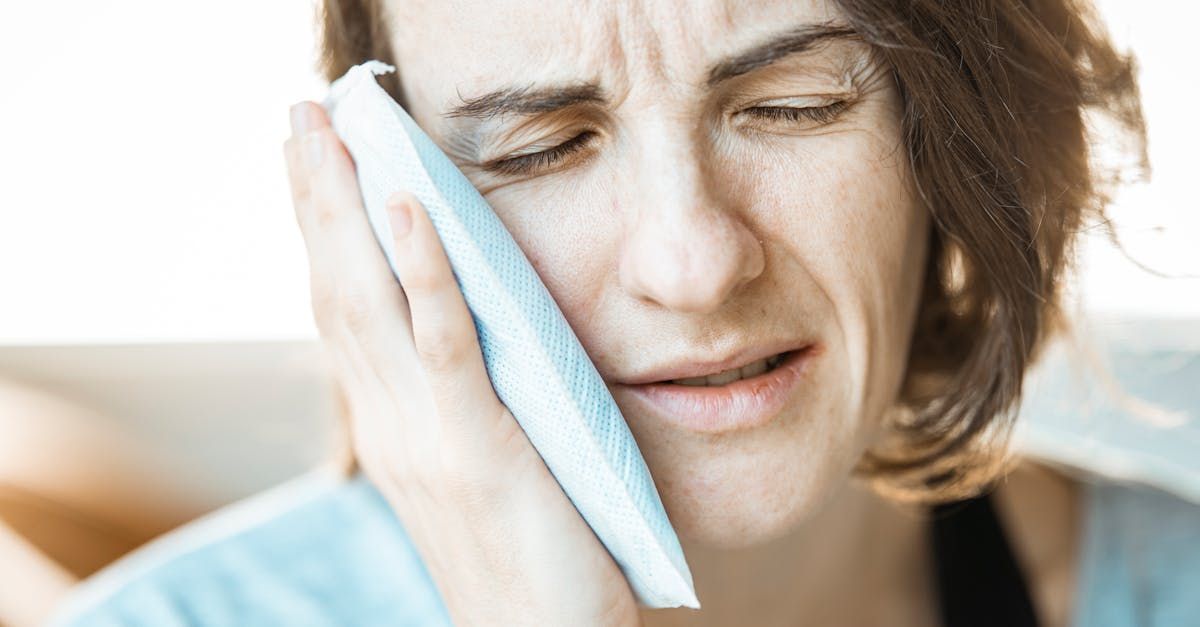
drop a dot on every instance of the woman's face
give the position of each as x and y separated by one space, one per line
696 181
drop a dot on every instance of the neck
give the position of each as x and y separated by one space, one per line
860 560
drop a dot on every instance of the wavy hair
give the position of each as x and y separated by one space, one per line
999 100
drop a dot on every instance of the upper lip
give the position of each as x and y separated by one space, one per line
698 367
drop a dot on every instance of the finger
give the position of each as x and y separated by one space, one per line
297 181
338 216
354 290
444 333
305 116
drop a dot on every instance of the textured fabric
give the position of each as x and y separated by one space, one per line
325 551
320 551
1140 423
536 363
1140 563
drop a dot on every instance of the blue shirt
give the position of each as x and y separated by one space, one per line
323 550
319 550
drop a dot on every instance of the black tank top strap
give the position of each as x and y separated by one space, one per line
979 582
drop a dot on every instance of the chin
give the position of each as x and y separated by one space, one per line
737 495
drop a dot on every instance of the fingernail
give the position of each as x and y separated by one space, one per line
399 216
314 149
299 116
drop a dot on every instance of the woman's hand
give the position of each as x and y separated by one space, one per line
500 538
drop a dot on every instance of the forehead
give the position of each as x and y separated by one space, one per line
449 49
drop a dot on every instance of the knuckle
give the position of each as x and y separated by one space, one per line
511 440
325 213
289 151
477 465
426 273
297 185
357 309
291 161
302 207
324 299
325 326
419 280
441 347
321 283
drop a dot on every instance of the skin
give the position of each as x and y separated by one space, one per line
692 230
34 582
690 224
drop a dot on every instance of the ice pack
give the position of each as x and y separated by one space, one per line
536 363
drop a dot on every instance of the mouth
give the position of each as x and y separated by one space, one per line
748 371
745 397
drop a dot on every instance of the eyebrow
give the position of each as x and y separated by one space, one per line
529 100
790 42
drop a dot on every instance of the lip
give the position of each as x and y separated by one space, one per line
689 368
742 404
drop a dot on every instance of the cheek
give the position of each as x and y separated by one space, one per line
848 216
846 247
567 229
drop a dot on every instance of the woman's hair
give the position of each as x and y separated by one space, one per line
998 100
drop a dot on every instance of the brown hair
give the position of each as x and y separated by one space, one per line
996 96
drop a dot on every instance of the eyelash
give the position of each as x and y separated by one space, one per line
821 115
524 164
543 159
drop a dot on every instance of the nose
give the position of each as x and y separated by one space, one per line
687 248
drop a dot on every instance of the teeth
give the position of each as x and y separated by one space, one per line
729 376
755 369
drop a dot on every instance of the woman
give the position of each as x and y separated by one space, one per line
870 204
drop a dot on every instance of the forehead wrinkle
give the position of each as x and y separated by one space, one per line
640 40
724 14
593 44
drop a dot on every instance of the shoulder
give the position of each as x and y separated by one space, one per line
1116 413
1102 552
318 550
1140 562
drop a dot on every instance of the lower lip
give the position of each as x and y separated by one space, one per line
743 404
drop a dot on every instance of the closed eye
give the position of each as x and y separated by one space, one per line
541 160
546 159
821 115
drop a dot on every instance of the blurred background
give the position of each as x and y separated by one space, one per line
158 357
